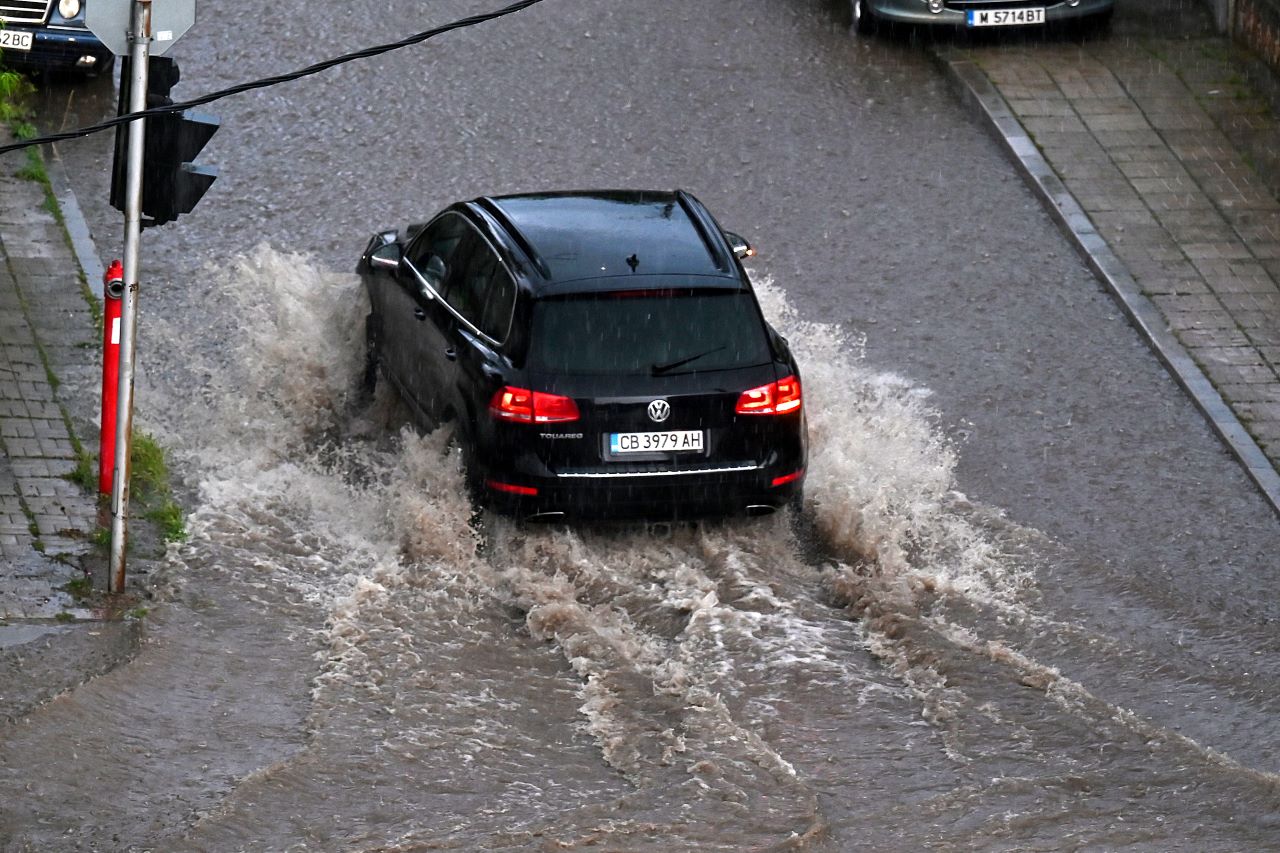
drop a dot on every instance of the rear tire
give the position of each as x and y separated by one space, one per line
472 477
369 376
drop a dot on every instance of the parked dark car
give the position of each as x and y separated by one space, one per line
50 35
865 15
602 354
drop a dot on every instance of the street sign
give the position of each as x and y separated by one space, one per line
109 21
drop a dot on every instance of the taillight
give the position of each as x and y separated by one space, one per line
532 407
512 488
787 478
776 398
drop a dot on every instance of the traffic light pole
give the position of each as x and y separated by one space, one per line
139 47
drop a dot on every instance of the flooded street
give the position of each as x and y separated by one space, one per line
1029 604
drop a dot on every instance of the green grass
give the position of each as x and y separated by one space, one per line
169 518
149 478
149 488
81 587
1214 51
85 474
150 473
34 169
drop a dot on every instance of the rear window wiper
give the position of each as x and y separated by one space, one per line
659 369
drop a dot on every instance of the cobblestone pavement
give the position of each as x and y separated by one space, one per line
45 323
1174 157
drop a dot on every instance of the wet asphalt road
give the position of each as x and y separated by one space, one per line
876 202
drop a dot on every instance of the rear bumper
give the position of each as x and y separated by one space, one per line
656 496
916 12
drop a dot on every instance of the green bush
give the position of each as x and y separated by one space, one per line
14 88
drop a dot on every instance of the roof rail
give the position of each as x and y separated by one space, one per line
707 229
490 207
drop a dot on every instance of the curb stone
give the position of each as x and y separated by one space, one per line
980 94
78 233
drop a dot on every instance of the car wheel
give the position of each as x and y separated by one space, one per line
369 376
861 19
803 524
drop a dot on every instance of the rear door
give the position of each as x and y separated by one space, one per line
482 296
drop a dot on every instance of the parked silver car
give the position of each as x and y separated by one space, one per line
864 15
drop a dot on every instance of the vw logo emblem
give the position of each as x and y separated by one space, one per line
659 411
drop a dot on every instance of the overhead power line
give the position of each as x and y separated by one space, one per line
177 107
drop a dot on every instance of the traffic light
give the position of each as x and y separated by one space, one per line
171 183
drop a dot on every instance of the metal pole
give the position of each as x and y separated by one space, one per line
139 47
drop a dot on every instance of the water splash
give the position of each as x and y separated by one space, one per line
671 647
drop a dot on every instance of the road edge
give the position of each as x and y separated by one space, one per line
77 227
979 94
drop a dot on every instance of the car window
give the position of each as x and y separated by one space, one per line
647 332
433 251
466 290
482 291
498 305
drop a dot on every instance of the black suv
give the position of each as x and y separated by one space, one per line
602 353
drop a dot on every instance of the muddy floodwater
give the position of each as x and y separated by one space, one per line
1030 603
346 660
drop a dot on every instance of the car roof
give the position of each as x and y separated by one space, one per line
593 237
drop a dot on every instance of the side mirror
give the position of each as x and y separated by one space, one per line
385 257
739 245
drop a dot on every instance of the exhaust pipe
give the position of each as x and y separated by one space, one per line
755 510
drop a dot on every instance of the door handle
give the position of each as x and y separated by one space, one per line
420 313
451 354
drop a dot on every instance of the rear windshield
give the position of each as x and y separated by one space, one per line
657 332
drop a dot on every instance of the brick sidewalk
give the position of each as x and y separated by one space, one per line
1176 162
45 519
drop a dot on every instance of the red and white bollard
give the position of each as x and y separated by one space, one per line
112 303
